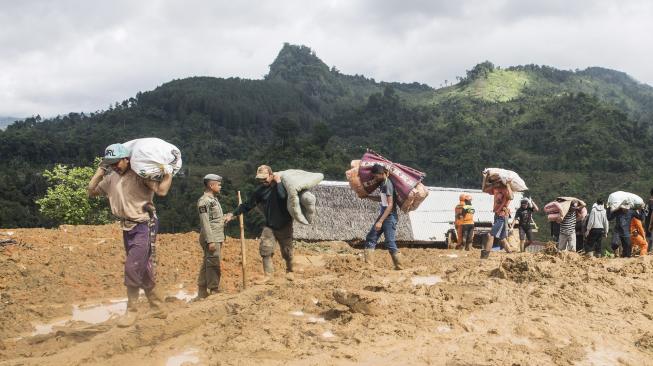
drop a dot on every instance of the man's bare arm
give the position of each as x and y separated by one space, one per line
160 188
535 208
92 189
387 210
375 198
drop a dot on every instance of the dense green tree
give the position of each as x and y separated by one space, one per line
66 201
583 133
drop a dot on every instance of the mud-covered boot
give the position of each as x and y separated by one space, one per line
485 254
268 270
131 314
396 260
155 299
202 294
368 256
215 290
290 276
290 265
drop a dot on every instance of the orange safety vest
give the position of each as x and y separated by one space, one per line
468 215
638 235
459 214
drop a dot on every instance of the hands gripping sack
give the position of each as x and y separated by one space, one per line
497 176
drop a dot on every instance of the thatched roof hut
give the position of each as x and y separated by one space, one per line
341 215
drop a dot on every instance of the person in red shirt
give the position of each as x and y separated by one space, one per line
502 198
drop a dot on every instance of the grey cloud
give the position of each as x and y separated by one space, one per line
69 55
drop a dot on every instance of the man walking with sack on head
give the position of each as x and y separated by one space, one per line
130 197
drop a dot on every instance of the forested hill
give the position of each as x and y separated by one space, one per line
6 121
583 133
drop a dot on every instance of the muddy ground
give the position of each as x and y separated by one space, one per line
446 308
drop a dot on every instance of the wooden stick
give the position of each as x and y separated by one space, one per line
243 251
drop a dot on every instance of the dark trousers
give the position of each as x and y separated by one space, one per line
593 241
580 241
139 266
468 234
209 275
388 229
626 248
270 236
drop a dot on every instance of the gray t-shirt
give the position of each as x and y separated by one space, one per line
387 189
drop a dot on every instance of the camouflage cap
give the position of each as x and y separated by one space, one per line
263 172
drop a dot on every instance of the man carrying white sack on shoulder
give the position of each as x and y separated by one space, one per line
130 197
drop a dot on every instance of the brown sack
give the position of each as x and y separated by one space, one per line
354 179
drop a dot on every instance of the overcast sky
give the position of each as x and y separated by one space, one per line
63 56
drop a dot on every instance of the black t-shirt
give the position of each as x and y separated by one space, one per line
274 205
524 215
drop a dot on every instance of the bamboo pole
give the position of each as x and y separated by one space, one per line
243 251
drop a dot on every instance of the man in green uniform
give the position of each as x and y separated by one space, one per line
211 236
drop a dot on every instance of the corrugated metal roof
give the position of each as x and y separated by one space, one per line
435 216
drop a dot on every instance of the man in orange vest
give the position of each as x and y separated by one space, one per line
467 222
458 222
637 234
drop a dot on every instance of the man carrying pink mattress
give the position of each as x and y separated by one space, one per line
386 222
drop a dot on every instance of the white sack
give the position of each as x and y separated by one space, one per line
148 154
625 199
295 181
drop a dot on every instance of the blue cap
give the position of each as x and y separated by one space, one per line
114 153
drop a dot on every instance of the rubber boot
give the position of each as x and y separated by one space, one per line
290 276
368 255
155 299
131 315
589 254
396 260
484 254
202 294
467 246
268 270
215 290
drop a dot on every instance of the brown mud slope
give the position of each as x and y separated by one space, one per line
446 308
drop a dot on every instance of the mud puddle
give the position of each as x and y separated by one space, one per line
425 280
187 357
97 313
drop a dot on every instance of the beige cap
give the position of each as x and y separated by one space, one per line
263 172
